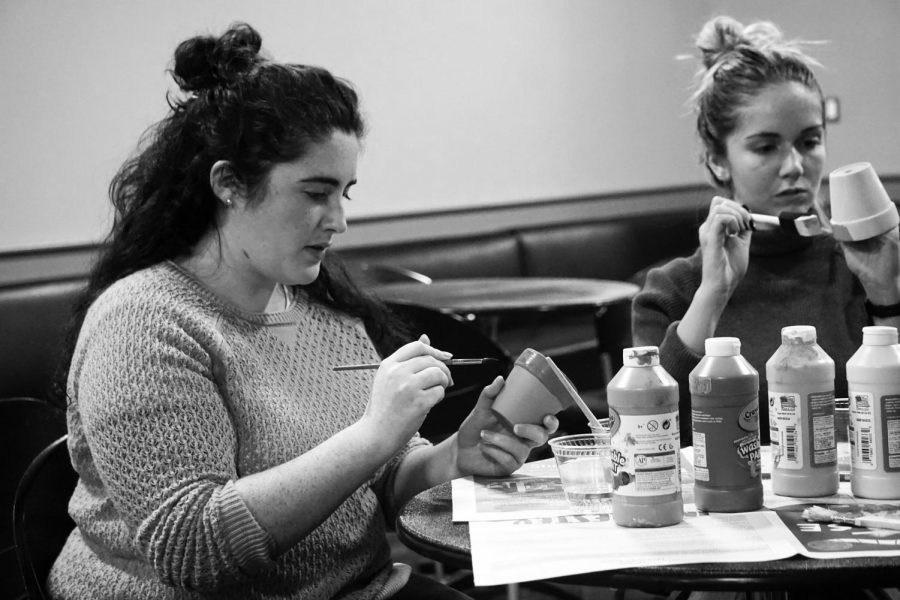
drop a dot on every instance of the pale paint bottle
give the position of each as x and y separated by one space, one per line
800 378
873 385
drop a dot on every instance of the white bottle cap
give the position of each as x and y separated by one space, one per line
640 356
798 334
723 346
879 336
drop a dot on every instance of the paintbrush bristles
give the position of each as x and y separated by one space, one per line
819 514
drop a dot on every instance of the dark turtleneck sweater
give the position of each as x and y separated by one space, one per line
790 280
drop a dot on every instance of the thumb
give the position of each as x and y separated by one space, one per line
490 393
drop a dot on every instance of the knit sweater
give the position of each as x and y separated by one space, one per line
789 281
175 395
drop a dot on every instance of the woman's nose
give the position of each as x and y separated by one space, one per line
793 164
334 218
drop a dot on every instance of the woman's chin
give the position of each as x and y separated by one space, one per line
800 205
307 275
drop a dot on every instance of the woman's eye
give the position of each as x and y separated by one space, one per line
317 196
813 142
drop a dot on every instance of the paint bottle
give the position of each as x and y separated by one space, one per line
800 378
644 440
725 424
873 386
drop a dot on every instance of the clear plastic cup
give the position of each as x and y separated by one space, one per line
584 469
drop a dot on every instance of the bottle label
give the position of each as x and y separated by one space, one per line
861 432
788 427
726 445
890 432
645 459
785 430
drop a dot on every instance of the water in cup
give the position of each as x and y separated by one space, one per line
584 470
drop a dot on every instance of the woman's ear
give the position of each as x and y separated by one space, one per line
224 183
719 168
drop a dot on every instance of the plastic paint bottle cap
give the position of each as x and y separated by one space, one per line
798 334
641 356
879 336
723 346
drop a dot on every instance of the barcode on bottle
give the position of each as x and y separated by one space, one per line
865 445
790 442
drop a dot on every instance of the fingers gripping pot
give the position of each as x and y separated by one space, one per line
725 424
644 439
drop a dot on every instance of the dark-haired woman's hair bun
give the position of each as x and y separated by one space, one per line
204 62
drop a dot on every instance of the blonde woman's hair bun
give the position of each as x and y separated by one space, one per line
719 37
724 35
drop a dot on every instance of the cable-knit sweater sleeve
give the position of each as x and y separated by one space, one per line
656 312
163 442
383 484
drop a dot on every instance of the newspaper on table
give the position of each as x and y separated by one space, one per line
535 490
541 548
522 528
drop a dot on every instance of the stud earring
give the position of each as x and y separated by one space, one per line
227 201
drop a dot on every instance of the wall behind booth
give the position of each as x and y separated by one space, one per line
503 103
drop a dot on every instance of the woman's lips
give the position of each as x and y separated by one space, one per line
316 251
793 193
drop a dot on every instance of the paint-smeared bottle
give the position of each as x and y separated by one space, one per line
644 440
725 424
873 385
800 378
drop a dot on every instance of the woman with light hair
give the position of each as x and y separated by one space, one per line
760 118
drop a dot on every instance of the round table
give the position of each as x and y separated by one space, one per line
427 527
497 295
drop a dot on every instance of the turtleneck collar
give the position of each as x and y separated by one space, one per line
772 242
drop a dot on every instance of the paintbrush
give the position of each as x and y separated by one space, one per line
802 224
453 362
819 514
595 424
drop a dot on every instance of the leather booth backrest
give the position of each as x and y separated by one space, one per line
33 321
611 249
483 255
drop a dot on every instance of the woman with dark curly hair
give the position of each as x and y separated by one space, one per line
218 453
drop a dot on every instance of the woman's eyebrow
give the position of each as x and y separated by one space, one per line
321 179
326 181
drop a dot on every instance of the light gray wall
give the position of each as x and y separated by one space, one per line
470 102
